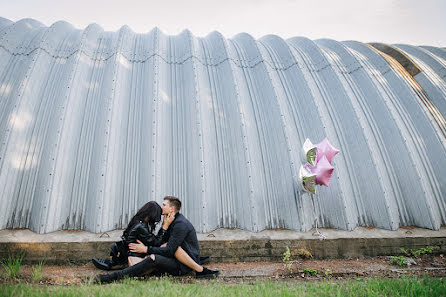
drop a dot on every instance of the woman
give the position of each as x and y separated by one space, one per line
141 228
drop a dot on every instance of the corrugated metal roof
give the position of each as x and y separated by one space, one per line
93 124
432 61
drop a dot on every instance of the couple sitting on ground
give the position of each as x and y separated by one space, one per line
174 250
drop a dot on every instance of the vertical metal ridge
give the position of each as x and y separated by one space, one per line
10 215
57 222
52 145
79 218
254 98
348 192
155 115
263 178
432 143
203 164
270 198
292 92
373 137
280 80
221 208
240 165
440 126
409 133
253 211
101 206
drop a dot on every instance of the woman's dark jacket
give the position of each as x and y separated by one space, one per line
144 233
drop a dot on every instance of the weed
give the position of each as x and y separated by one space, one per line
410 253
309 271
37 271
421 251
328 273
405 252
400 261
287 263
12 265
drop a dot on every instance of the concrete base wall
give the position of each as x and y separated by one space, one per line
224 245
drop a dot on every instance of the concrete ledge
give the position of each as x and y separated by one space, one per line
225 245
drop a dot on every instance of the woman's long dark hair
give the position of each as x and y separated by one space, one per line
151 209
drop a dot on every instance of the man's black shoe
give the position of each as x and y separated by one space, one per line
104 278
103 264
205 260
207 273
108 278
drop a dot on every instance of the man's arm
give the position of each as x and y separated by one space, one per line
177 236
149 239
141 247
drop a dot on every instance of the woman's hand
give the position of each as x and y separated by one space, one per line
138 247
168 219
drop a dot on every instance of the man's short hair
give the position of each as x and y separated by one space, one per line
174 201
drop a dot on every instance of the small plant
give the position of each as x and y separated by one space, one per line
405 252
328 273
287 263
309 271
37 271
400 261
12 265
421 251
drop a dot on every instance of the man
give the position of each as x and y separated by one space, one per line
180 233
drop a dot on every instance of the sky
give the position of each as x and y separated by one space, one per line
416 22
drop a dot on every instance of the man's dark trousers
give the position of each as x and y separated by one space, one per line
180 233
161 263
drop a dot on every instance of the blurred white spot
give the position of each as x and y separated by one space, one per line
164 96
91 85
5 89
123 61
85 59
24 156
61 60
206 97
20 120
29 161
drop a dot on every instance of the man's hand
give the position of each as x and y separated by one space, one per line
138 247
168 219
164 244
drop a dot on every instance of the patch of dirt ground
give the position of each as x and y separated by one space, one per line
298 270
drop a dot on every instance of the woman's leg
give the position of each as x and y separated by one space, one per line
184 258
134 260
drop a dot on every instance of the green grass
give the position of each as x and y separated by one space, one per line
36 274
12 265
406 286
